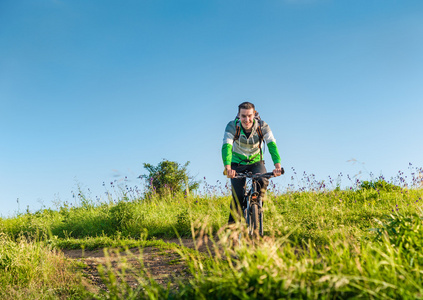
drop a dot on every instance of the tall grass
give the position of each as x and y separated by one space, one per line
276 268
305 214
320 243
30 270
127 217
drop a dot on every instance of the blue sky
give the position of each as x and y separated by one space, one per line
91 90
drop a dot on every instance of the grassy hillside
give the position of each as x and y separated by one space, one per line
364 242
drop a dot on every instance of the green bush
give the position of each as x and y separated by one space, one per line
169 177
380 184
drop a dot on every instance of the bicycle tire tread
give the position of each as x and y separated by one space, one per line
255 220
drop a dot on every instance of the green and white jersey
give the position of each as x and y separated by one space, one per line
245 150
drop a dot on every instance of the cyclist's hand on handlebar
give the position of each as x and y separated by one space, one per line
229 172
278 171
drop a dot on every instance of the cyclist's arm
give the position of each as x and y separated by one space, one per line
227 154
278 170
228 140
229 172
271 143
273 149
227 157
274 153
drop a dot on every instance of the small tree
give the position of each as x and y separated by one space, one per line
169 176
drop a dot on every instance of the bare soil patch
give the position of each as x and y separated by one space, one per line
164 265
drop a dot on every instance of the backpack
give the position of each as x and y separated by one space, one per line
259 131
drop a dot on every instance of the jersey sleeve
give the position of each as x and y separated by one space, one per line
271 143
227 154
274 152
228 140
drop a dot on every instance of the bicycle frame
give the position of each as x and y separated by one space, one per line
253 212
251 198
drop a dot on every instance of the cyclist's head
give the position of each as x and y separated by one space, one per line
246 113
246 105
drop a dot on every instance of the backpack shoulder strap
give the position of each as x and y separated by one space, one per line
260 134
237 129
259 131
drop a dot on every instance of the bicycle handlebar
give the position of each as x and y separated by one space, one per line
254 176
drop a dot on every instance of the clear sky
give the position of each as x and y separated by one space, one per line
91 90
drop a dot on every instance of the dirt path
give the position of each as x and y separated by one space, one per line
164 265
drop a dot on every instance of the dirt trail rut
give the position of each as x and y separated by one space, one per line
164 265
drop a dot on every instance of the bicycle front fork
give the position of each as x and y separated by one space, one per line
248 214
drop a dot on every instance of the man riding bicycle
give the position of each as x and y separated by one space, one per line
241 152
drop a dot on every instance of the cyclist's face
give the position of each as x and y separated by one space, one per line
247 117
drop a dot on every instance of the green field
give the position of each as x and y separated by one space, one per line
359 242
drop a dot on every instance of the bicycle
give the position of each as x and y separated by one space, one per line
253 211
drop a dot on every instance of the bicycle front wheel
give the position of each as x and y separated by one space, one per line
255 220
261 218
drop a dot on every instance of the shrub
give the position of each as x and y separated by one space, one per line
169 177
379 185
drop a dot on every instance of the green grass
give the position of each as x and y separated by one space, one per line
311 214
159 217
32 270
326 244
